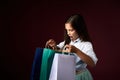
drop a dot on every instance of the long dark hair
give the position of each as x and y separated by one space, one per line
78 23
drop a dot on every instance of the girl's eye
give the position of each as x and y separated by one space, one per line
71 30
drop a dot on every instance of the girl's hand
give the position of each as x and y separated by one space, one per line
51 44
70 48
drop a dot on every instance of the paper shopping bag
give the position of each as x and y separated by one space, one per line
46 64
35 74
63 67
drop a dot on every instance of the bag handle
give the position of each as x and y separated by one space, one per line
63 51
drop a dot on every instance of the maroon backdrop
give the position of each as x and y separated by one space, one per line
29 24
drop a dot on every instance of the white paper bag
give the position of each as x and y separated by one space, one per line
63 67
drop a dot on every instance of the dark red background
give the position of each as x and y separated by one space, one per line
29 24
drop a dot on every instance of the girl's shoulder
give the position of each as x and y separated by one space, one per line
86 43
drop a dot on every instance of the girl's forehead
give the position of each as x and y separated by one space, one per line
68 25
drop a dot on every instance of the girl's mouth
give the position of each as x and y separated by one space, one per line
71 37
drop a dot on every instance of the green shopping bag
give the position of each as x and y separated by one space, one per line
46 63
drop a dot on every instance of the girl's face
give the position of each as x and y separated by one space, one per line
71 32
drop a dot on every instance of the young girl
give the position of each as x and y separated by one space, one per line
77 41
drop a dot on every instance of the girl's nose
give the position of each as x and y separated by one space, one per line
68 33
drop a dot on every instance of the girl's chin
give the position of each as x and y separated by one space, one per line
71 39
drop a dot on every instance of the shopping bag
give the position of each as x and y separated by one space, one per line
46 64
63 67
35 74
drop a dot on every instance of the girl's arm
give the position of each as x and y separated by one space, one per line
87 59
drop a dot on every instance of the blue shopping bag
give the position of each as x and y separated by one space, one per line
35 74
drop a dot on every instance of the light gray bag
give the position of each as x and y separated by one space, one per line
63 67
